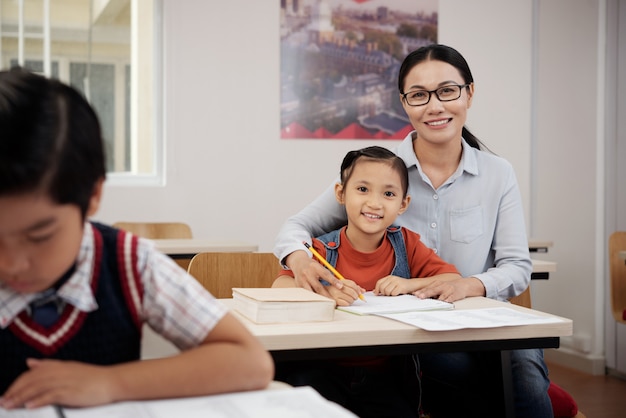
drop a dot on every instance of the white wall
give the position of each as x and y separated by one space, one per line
567 171
229 175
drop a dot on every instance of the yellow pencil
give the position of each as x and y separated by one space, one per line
328 265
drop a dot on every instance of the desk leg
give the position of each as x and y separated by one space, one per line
507 383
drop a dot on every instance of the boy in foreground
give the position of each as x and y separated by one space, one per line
74 294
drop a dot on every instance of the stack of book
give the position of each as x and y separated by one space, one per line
280 305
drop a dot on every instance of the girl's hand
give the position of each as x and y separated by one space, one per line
393 286
346 295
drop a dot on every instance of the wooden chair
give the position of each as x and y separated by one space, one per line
523 299
220 272
617 268
156 230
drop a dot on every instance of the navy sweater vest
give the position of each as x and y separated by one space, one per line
109 335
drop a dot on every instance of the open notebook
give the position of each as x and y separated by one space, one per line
375 304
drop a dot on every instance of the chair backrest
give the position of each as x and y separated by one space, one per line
523 299
617 269
156 230
220 272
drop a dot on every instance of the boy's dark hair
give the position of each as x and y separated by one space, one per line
378 154
50 139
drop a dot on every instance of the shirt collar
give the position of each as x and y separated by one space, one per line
468 163
469 160
76 290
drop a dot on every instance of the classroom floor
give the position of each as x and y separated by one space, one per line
596 396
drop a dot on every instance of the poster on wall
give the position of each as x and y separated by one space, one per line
339 62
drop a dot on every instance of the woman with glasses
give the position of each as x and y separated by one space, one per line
466 206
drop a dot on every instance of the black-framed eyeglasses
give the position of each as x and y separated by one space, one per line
444 94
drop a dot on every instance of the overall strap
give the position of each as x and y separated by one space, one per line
401 268
331 242
394 235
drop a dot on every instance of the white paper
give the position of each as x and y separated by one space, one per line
470 318
299 402
44 412
376 304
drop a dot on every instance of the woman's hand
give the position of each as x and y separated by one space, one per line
308 274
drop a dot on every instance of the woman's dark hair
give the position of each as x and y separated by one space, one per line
50 140
444 53
378 154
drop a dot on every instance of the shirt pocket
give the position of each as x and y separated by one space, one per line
466 225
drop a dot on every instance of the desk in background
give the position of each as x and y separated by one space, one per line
183 250
622 255
539 246
354 335
541 269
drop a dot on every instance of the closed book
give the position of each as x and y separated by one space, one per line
280 305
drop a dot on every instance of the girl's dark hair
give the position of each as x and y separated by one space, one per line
50 140
378 154
438 52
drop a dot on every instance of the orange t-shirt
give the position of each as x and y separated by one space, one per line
365 269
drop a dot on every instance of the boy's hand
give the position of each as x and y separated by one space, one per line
55 382
393 286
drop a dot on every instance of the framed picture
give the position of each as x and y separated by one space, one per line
339 65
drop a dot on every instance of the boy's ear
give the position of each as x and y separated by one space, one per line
339 193
405 204
96 196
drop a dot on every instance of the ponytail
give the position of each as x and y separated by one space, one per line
473 141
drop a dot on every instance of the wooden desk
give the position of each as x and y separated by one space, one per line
354 335
538 246
350 334
183 250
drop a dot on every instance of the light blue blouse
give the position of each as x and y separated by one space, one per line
474 220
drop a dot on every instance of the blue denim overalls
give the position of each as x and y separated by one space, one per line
394 234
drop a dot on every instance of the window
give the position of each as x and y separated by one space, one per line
110 51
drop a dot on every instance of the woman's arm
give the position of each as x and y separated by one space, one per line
512 268
323 215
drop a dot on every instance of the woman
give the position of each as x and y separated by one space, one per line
466 206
